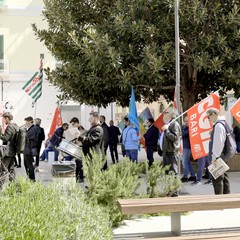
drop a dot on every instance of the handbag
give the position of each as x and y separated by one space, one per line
34 152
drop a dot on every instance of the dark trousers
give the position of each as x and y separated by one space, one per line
38 154
113 151
105 153
123 151
150 156
79 171
221 184
171 159
7 166
28 163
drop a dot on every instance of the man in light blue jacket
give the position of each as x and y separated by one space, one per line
130 141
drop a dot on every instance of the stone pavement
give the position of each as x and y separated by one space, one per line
192 221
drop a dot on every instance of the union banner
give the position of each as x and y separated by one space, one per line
199 125
235 110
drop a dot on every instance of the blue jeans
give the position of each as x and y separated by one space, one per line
202 163
187 166
45 153
132 154
55 150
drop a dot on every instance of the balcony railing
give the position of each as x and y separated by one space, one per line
4 67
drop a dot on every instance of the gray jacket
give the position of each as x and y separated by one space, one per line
172 138
8 138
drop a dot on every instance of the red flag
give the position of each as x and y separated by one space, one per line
56 121
159 122
199 125
235 110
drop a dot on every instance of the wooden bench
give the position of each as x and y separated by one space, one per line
178 205
220 236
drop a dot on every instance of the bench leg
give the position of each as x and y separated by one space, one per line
176 223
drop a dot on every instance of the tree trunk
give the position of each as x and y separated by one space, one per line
189 87
188 98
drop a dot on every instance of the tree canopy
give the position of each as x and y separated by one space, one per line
106 46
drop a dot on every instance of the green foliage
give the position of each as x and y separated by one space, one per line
106 46
32 211
106 187
160 184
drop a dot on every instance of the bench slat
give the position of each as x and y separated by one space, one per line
179 204
149 200
220 236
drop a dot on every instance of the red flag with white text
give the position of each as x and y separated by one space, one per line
235 110
199 125
56 121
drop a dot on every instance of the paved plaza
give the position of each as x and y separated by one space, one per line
192 221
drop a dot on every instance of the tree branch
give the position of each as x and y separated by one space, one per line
163 87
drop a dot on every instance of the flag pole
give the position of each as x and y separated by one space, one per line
177 65
35 109
177 55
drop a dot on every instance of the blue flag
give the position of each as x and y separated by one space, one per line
133 117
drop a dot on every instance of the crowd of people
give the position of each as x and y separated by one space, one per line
100 137
27 142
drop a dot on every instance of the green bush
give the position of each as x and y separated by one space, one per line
33 211
106 187
160 184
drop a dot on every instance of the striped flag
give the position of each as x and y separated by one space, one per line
34 85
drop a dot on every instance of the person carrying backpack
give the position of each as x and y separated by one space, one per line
222 146
8 138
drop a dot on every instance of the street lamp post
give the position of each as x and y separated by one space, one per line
177 64
177 55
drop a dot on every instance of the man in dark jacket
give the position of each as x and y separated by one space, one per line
151 140
40 138
56 138
92 140
114 132
105 137
8 138
30 144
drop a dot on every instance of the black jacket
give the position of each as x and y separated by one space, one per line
92 140
236 132
40 133
57 137
151 136
31 140
114 132
185 137
105 134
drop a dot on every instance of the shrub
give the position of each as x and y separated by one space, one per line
106 187
33 211
160 184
